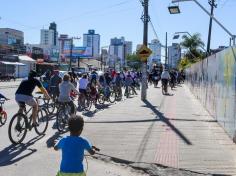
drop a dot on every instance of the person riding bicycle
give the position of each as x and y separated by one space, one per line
165 77
24 93
65 89
82 85
73 148
54 84
118 83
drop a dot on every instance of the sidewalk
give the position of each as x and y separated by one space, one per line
173 131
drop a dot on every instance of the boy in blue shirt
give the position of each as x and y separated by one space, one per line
73 147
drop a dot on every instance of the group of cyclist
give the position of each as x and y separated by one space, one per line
64 89
166 76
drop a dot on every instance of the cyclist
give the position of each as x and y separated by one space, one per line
54 84
165 77
82 85
118 83
73 147
24 94
65 89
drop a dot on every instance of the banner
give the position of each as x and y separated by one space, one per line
82 52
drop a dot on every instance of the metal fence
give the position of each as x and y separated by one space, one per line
213 82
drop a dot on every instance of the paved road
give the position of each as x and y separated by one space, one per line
173 131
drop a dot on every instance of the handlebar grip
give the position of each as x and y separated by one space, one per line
95 148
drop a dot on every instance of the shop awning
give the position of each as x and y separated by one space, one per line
12 63
26 58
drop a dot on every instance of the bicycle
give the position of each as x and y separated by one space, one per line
164 87
63 115
84 102
3 114
21 122
106 94
85 156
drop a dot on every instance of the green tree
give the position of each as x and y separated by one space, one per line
193 44
133 61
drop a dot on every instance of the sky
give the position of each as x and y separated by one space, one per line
116 18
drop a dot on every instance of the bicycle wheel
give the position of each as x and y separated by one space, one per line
61 121
3 117
112 97
88 104
101 99
163 89
42 120
17 128
50 105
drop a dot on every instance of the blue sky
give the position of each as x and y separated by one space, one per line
115 18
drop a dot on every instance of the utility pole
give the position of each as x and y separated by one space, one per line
166 52
145 19
213 5
71 47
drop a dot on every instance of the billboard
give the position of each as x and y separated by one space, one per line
83 52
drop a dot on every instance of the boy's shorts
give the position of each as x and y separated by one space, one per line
71 174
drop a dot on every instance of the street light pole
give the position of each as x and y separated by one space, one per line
145 19
213 5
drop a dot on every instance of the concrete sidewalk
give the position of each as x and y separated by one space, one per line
174 131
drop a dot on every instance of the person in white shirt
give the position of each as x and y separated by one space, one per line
165 77
82 84
65 90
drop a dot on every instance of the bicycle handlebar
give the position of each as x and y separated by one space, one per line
96 149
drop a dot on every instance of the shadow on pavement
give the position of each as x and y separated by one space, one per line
125 121
98 109
9 155
52 140
167 122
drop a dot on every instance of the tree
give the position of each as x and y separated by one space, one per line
133 61
193 44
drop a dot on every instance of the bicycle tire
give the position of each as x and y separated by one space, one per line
61 121
101 99
50 105
43 119
88 104
112 95
24 130
3 118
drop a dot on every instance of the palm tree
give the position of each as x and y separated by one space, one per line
193 43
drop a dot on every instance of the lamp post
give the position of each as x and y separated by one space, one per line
213 5
208 13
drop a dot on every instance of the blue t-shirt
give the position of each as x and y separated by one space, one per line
73 153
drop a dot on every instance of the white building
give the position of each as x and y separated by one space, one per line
119 49
47 37
155 57
174 55
92 40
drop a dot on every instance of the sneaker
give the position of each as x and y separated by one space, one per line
18 127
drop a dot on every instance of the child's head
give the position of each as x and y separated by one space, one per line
76 124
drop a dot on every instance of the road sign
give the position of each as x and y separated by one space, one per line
144 52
